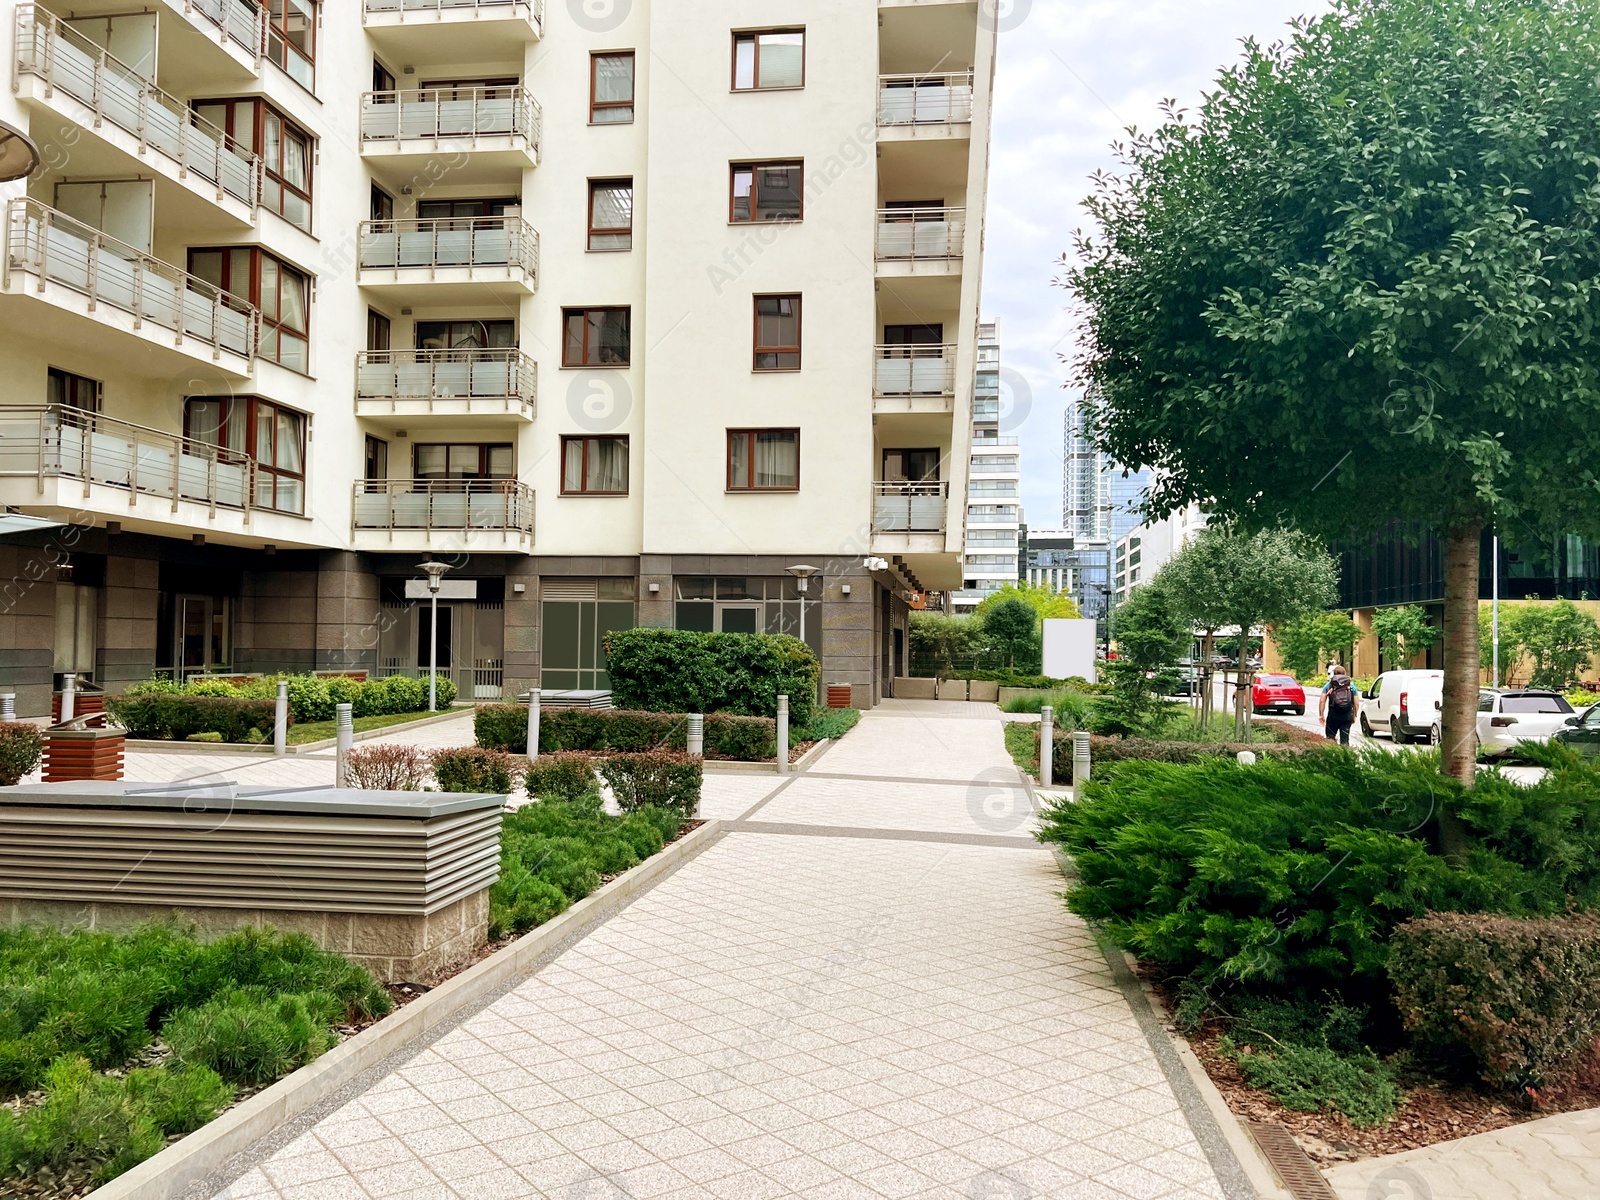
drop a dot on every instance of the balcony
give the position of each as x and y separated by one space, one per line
985 490
407 515
445 383
454 258
920 241
236 28
493 132
63 71
448 31
983 464
914 379
901 507
1000 515
75 267
925 105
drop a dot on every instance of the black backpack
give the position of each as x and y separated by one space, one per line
1341 696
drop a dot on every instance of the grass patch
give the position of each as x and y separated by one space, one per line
827 723
317 731
1218 729
1021 739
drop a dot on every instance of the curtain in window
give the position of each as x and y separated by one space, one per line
292 302
777 460
572 466
289 441
608 465
782 59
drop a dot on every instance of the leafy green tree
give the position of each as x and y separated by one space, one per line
1403 633
1360 285
1046 601
1011 625
939 642
1557 640
1308 642
1150 634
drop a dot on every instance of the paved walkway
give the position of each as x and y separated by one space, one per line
865 989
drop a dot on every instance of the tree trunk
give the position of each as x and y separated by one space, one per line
1459 712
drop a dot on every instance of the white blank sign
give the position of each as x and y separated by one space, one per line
449 589
1069 648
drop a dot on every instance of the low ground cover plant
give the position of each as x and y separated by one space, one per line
827 723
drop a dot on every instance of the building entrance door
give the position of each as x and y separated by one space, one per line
200 635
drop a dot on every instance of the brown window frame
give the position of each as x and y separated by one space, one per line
586 362
254 296
757 349
754 166
631 104
750 458
281 30
247 408
484 457
78 392
589 218
256 110
757 35
584 488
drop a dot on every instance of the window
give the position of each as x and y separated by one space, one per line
465 335
576 616
763 460
911 466
465 210
766 191
442 461
772 58
777 333
594 466
285 150
269 433
379 330
611 88
73 391
281 292
382 77
595 337
382 205
377 468
497 88
292 38
611 214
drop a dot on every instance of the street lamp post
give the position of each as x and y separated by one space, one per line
18 155
435 572
802 573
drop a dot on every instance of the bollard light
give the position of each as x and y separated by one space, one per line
69 696
280 720
8 706
1081 766
346 736
1047 745
533 724
783 735
695 741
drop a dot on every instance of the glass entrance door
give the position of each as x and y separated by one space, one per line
201 638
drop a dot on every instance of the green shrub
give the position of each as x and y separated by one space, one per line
344 690
213 737
678 671
309 698
387 767
473 769
654 779
503 727
725 735
154 687
1104 750
170 717
1313 1078
1518 996
251 1036
21 747
564 775
827 723
211 687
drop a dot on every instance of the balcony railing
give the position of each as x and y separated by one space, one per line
984 443
983 410
493 375
52 246
450 114
65 59
925 99
52 441
532 10
914 371
1006 489
921 234
241 22
1010 517
899 507
451 242
984 465
444 505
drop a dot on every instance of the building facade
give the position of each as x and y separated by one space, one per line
1079 566
575 301
1141 552
994 513
1100 498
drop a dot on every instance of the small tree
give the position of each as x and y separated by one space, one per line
1308 642
1047 602
1150 634
1558 639
1403 633
1011 625
940 641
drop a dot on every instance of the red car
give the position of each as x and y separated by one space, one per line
1278 692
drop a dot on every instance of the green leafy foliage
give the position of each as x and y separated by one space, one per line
1012 624
678 671
387 767
725 735
654 779
1047 602
21 747
1403 633
169 717
564 775
1548 644
1151 633
250 1035
473 769
1309 642
1309 1078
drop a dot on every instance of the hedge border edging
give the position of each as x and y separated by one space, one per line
191 1158
169 746
733 766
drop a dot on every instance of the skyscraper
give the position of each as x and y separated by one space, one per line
1100 498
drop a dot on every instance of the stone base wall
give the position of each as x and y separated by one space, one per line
396 949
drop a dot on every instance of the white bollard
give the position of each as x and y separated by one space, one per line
1246 758
783 735
8 706
1047 745
533 724
1080 760
280 720
69 695
347 735
695 741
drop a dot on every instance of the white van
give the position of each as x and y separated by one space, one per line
1403 704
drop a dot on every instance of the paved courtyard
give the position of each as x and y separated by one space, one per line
864 989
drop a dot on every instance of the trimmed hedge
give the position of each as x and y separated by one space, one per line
1516 995
21 747
168 717
312 697
675 670
654 779
505 727
1104 750
473 769
564 775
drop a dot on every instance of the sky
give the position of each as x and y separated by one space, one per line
1072 76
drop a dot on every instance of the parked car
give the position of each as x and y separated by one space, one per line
1508 717
1403 704
1581 732
1278 693
1188 678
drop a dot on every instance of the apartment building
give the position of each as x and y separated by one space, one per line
1146 548
1100 498
994 513
627 313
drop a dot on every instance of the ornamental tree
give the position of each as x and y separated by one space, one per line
1403 633
1361 285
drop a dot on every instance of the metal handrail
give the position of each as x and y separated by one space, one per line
902 487
900 506
914 370
931 99
981 442
446 114
534 8
921 233
995 466
46 243
56 440
442 504
467 373
240 21
62 57
450 242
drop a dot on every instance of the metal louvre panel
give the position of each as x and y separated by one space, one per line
568 589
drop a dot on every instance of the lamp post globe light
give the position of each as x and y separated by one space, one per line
435 572
18 155
803 573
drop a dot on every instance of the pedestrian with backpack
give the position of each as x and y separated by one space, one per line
1338 707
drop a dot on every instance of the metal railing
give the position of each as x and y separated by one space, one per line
506 375
1006 489
1000 518
900 507
65 59
983 465
914 370
935 99
50 245
450 242
242 22
921 234
986 410
984 443
451 114
443 504
53 440
532 9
